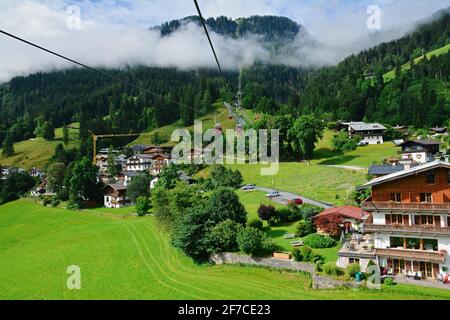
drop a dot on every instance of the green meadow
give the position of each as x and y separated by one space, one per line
132 259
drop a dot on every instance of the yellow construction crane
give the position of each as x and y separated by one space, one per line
100 136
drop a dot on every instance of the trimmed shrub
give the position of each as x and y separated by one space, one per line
319 241
352 269
389 282
330 269
297 254
255 223
305 228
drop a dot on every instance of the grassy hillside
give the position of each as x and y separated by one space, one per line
438 52
36 152
164 133
133 259
322 183
361 157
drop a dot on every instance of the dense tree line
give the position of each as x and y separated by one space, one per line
355 89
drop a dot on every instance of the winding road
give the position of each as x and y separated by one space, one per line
286 196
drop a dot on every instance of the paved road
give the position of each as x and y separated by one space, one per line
286 196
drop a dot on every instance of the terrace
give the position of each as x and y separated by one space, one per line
407 229
416 255
405 207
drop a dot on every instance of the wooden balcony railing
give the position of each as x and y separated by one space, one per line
416 207
421 255
369 227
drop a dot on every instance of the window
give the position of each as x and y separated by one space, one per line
395 219
431 177
425 197
353 260
396 242
396 197
448 177
424 220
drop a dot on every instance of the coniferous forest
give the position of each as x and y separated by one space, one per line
354 89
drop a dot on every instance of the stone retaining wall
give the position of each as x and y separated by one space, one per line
322 282
233 258
318 282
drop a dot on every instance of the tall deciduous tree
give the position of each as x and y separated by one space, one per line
139 187
83 182
304 134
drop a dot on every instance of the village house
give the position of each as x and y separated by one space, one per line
370 133
139 162
115 196
438 131
409 221
419 151
351 217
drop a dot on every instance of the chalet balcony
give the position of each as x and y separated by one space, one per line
417 229
416 255
406 207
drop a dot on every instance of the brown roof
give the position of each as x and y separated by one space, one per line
117 186
428 142
345 211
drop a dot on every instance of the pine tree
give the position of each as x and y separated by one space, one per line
8 147
65 135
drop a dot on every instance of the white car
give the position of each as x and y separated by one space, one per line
249 187
274 194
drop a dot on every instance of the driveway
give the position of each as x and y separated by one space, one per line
286 196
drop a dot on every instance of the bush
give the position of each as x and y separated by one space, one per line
284 214
142 206
63 194
255 223
297 254
46 200
305 228
352 269
330 269
55 202
266 213
253 241
273 221
389 282
319 241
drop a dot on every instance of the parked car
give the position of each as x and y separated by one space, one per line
249 187
296 201
274 194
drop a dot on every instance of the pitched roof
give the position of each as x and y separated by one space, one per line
405 173
117 186
385 169
366 126
345 211
427 142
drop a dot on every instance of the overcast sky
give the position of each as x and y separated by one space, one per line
113 33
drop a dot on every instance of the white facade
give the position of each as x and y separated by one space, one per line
372 139
417 157
382 239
